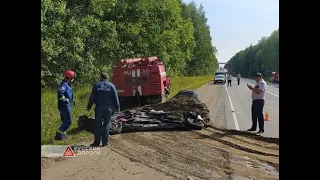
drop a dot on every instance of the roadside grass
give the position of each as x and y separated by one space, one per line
50 118
179 83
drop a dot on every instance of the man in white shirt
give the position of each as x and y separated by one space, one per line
257 103
238 78
229 80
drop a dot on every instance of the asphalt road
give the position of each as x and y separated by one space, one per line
238 107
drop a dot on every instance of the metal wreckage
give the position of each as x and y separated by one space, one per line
184 111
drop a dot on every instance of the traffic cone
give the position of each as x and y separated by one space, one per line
266 117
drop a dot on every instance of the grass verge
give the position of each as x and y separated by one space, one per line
50 118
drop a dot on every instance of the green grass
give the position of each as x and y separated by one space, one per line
50 118
180 83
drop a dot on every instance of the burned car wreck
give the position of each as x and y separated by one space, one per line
184 111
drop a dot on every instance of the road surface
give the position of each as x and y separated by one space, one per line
207 154
240 100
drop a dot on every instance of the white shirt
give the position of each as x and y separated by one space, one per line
262 85
229 77
238 76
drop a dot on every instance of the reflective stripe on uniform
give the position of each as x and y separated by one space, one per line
61 132
62 98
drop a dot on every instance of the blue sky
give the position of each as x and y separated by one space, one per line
235 24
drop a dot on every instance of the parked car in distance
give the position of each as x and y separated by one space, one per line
219 79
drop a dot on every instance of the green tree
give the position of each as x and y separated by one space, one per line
203 59
88 36
262 57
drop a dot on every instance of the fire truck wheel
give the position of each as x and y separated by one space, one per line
115 128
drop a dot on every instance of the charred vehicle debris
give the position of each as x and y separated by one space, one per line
182 112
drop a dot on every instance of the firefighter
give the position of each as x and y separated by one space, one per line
65 101
105 97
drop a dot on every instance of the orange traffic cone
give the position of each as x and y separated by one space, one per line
266 117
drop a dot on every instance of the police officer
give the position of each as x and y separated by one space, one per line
105 97
65 100
257 103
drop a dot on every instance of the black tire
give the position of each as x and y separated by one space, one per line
115 127
194 125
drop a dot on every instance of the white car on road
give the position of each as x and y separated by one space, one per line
219 79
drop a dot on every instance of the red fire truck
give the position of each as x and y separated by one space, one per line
141 80
274 77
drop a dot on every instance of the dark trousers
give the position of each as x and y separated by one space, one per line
257 114
238 81
102 125
229 82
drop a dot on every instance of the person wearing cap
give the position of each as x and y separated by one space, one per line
65 101
257 95
105 97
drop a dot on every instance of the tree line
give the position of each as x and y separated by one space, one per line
89 36
262 57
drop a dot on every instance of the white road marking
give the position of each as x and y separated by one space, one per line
272 94
232 109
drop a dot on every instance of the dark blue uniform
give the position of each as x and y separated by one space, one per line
65 100
105 97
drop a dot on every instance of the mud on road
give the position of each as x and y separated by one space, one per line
211 153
